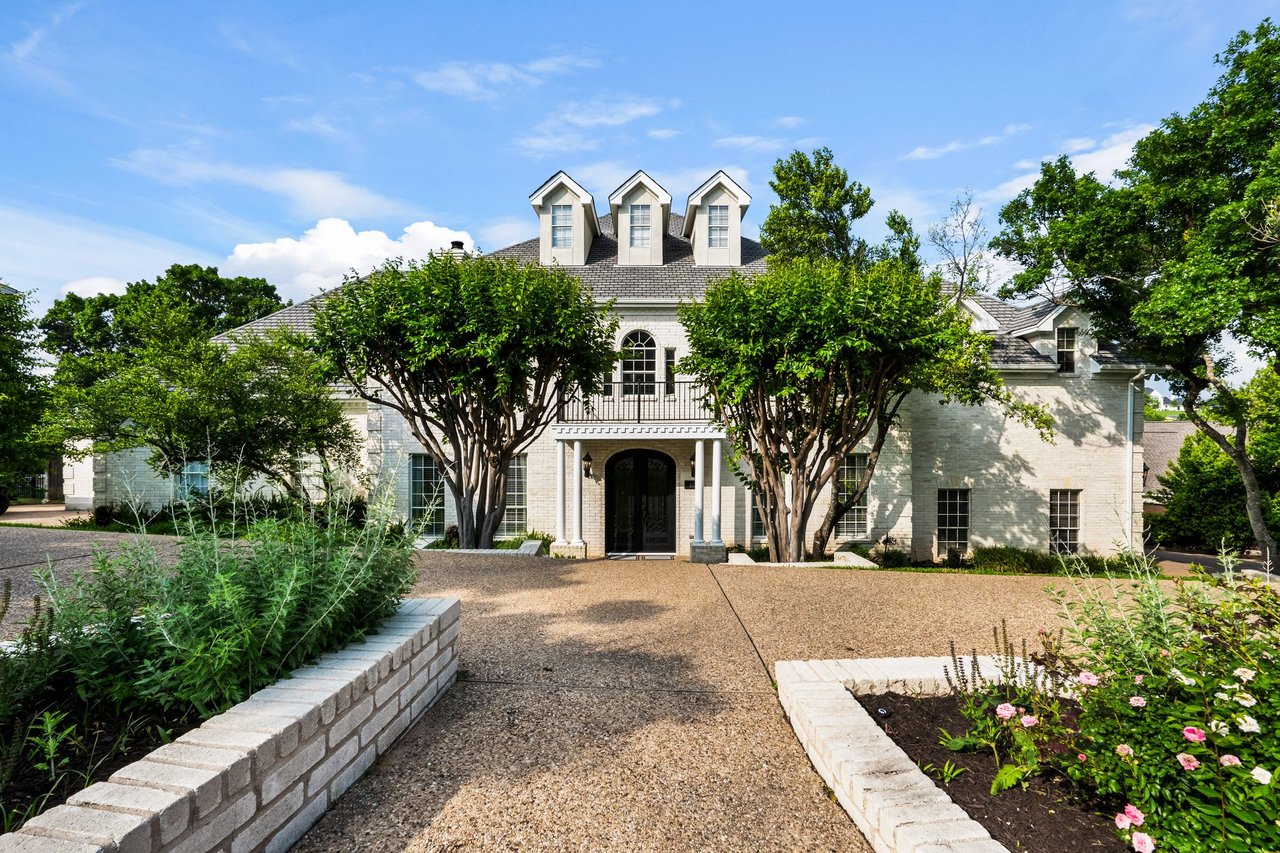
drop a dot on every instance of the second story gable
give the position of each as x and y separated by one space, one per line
567 222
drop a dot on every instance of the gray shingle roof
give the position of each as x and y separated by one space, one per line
1009 351
1109 357
1161 441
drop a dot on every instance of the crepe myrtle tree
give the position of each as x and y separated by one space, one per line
1179 254
475 353
806 361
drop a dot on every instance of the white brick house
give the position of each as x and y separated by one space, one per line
643 469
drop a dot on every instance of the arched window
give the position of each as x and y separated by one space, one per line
639 364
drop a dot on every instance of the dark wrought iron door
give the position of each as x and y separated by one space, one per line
640 502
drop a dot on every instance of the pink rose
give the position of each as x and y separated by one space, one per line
1137 702
1142 843
1028 721
1137 679
1188 762
1124 750
1088 679
1135 817
1122 821
1193 734
1082 756
1164 653
1229 760
1005 711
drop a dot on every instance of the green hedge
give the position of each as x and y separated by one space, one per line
1003 558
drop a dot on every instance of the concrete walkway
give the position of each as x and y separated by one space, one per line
625 705
45 515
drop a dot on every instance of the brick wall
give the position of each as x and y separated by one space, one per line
258 776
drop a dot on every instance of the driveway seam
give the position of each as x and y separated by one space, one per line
768 675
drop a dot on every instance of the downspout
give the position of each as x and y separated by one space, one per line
1129 450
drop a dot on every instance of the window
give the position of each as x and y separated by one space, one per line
757 519
853 525
639 364
1064 521
516 519
953 521
669 364
561 226
1066 350
191 482
718 226
640 226
426 495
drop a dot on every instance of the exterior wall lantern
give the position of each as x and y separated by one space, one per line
586 466
693 465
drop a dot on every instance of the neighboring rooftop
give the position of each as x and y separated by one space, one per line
1161 441
6 290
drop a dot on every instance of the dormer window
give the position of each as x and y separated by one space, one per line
718 226
561 226
640 234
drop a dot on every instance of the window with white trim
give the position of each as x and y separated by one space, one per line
1066 350
1064 521
426 495
191 482
953 521
853 524
757 518
516 519
639 364
718 226
561 226
640 236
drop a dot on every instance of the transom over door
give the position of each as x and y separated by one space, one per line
640 502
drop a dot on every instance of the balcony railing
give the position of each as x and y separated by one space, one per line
671 401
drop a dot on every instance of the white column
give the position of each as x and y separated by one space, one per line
577 493
715 492
560 492
698 485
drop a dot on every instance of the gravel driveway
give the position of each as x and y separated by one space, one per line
627 705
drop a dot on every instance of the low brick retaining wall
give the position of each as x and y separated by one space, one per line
258 776
893 803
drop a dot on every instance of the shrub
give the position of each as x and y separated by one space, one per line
893 558
1176 706
1003 558
103 516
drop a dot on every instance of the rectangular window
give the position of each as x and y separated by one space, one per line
426 495
191 482
853 525
561 226
516 519
669 362
640 226
953 521
1064 521
718 226
757 520
1066 350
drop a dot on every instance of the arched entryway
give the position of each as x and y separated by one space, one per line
640 503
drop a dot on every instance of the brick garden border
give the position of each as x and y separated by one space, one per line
258 776
893 803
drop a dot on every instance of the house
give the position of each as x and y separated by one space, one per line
642 469
1162 442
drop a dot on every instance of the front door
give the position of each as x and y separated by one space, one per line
640 502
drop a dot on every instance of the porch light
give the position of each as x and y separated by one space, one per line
693 465
586 465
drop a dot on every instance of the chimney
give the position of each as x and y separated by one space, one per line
455 249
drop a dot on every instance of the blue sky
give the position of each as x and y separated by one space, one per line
297 140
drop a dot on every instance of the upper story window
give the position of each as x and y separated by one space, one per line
640 233
718 226
639 363
1066 350
561 226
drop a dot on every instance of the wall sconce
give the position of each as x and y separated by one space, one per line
693 465
586 465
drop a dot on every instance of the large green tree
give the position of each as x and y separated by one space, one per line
476 354
817 206
1177 255
21 394
805 361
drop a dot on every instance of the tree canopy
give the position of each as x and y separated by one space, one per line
21 393
817 206
476 354
1177 254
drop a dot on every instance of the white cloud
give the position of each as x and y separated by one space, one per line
323 255
924 152
608 113
484 80
503 232
50 254
561 131
315 124
751 143
21 50
1078 143
1103 160
663 133
788 121
313 193
551 141
93 285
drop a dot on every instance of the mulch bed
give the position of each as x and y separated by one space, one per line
1046 817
